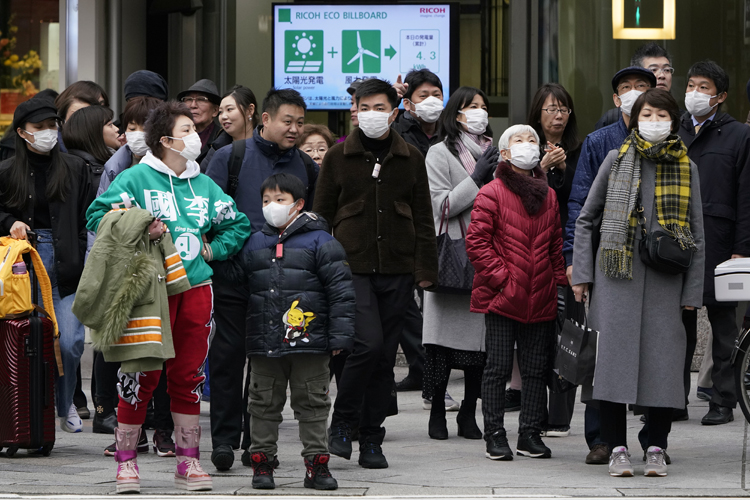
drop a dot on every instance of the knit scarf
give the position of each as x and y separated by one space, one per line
672 200
470 147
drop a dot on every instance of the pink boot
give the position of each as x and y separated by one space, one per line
128 477
190 475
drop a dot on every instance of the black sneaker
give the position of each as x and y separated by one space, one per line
262 472
318 476
340 440
247 460
371 456
498 448
530 444
409 383
223 457
110 450
512 400
163 444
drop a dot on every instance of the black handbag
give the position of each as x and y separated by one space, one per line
576 353
455 272
660 251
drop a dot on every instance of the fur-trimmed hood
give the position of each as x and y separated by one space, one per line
532 189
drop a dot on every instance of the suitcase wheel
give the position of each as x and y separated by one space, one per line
11 451
47 449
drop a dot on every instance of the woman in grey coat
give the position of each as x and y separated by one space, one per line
638 309
453 337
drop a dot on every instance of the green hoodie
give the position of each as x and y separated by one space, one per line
191 205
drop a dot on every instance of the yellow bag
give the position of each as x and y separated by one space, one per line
15 289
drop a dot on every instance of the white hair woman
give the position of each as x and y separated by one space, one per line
515 244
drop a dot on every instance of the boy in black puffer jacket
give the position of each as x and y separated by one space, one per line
302 305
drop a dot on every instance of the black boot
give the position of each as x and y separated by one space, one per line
438 427
467 421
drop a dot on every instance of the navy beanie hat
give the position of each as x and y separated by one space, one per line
146 83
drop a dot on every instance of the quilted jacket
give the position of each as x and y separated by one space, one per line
514 242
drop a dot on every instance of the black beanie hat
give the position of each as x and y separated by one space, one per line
146 83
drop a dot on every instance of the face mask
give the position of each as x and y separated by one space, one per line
476 121
44 140
524 155
277 214
374 124
429 110
698 104
192 148
654 132
628 99
137 143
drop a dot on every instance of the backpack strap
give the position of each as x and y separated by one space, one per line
235 165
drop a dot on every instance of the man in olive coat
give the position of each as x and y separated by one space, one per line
373 190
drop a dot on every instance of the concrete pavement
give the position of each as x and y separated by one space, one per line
706 461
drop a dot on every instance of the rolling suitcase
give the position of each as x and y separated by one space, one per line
27 361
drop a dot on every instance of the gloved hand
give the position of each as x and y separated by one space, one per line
486 165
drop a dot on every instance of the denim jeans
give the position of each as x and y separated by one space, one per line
71 330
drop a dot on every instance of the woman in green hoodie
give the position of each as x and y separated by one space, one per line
190 206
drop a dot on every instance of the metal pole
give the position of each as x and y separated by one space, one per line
114 66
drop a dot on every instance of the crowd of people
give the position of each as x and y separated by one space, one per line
213 238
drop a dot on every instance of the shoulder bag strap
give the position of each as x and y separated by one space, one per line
235 165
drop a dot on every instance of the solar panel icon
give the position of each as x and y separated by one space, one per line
303 51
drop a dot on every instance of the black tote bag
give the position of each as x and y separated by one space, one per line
576 353
455 272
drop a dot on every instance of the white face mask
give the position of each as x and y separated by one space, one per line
524 155
698 104
44 140
374 124
192 149
429 110
628 99
476 121
277 214
137 143
654 132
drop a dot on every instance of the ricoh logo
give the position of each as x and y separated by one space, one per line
432 10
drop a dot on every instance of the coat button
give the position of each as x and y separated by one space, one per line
374 271
380 181
380 238
32 174
273 260
29 196
271 290
270 322
269 352
380 210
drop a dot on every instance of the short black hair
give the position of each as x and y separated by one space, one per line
711 70
374 86
160 123
278 97
660 99
418 77
650 49
286 183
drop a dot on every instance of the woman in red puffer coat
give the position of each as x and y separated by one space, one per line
514 242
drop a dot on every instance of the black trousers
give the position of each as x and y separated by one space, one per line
724 328
690 321
105 374
534 341
614 425
230 421
364 394
411 338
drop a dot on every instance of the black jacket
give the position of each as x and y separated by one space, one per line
411 131
608 118
303 301
223 139
216 132
96 168
68 222
721 149
262 159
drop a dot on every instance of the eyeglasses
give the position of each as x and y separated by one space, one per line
199 100
626 87
554 111
321 151
665 71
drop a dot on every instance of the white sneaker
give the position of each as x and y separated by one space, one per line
426 404
450 404
619 463
71 423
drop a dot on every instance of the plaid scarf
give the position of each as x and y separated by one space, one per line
470 147
672 199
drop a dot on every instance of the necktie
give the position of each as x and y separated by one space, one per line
697 128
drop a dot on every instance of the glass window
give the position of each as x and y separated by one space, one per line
29 51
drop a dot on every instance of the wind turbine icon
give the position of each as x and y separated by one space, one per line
360 53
